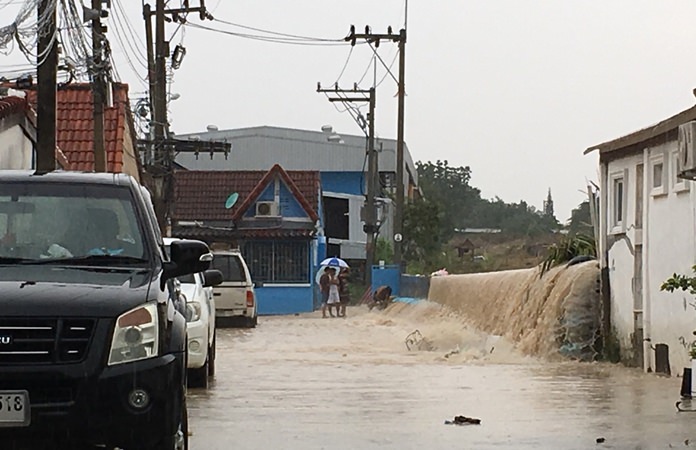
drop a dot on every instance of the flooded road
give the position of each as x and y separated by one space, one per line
303 382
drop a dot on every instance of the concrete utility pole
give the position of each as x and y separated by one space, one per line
370 227
375 39
160 168
98 84
147 16
47 62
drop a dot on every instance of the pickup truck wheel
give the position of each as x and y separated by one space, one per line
179 441
198 378
252 322
212 353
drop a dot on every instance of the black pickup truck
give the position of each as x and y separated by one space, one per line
92 333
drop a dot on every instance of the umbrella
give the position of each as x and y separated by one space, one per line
321 271
334 262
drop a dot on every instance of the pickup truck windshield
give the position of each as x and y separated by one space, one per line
57 221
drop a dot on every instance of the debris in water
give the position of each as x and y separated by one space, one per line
463 420
600 440
415 340
452 352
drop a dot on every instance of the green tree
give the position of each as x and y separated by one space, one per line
421 231
580 220
449 188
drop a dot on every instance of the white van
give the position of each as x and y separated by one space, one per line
234 297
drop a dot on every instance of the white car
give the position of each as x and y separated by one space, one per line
235 296
197 291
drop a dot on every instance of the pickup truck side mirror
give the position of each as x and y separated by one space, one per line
187 257
212 277
258 284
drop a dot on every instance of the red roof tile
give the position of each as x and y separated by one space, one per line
201 195
12 105
75 125
261 185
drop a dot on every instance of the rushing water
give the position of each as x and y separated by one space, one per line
302 382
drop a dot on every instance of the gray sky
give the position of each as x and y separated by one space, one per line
514 89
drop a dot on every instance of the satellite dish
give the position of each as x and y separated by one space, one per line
231 200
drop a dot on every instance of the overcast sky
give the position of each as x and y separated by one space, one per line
514 89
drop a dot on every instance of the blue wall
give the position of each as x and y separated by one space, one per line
289 206
343 182
284 299
388 275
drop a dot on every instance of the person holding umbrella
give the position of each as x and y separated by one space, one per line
328 281
324 287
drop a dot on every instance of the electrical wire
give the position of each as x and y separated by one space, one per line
344 65
142 47
290 41
374 50
121 37
388 72
276 33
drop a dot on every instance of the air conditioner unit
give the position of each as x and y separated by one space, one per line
686 164
266 209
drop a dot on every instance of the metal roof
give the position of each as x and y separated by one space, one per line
259 148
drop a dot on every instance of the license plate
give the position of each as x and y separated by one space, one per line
14 409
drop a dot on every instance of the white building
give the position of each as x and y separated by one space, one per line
647 233
17 132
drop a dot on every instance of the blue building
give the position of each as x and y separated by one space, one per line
340 160
276 222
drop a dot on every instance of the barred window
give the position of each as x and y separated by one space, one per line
278 262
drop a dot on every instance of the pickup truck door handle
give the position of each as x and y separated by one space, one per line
217 294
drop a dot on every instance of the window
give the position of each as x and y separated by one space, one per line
678 184
47 220
618 201
657 175
658 182
230 266
618 196
278 261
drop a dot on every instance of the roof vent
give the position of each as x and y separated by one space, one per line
211 128
327 129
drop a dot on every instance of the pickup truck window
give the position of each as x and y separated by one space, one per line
43 221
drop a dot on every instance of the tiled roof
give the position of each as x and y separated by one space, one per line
276 170
75 125
210 234
201 195
12 105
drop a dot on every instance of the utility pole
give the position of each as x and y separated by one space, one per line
370 217
98 84
47 61
160 168
147 16
399 214
400 38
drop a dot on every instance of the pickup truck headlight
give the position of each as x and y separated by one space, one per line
193 311
135 335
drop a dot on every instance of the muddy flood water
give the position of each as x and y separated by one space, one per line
303 382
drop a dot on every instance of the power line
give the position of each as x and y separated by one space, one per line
276 33
290 41
133 33
345 65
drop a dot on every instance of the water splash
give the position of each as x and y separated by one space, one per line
554 315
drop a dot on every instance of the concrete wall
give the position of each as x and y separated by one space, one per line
656 240
536 313
16 151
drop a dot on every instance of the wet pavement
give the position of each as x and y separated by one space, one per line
303 382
